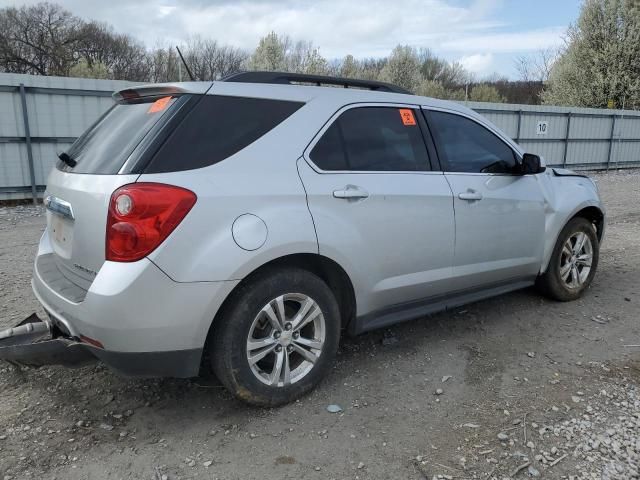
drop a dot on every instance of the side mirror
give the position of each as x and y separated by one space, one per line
531 164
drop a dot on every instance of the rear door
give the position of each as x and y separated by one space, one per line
499 213
378 207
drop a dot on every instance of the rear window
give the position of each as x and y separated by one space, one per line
216 128
105 146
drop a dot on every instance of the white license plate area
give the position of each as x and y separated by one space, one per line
61 232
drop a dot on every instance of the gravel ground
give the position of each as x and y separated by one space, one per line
512 387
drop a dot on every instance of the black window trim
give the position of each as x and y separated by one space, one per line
141 156
426 110
432 167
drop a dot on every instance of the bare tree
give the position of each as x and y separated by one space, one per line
41 39
162 64
209 60
121 55
537 67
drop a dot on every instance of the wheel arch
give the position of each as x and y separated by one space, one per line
595 215
324 267
592 213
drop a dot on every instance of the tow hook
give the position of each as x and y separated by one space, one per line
35 343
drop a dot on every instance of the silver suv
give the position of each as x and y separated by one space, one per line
240 226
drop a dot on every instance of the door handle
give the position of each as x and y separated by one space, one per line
470 195
350 192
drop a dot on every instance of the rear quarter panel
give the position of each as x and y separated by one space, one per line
261 180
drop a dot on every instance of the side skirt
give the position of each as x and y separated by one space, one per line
416 309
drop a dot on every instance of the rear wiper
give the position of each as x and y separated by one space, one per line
64 156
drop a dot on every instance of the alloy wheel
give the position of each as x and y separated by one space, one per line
575 260
285 339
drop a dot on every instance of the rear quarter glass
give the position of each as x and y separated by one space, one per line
106 145
216 128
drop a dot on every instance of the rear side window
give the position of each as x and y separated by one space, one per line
373 139
106 145
466 146
216 128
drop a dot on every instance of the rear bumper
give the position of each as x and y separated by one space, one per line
49 348
174 363
148 324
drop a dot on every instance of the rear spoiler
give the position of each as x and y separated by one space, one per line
161 90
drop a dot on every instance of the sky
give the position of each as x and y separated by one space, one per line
486 36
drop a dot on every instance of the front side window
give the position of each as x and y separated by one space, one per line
371 139
466 146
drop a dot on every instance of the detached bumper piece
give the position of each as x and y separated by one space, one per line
34 343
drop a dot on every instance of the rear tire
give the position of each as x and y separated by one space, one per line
573 262
277 338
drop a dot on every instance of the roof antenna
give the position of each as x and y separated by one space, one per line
185 64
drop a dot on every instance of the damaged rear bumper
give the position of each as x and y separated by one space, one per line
32 343
35 342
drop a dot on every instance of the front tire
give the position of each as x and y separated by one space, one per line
573 262
278 337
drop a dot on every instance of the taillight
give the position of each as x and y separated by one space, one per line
141 216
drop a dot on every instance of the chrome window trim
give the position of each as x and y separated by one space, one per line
316 138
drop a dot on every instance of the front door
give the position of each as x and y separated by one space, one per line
499 215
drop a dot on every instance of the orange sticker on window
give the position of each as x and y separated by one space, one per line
407 116
159 105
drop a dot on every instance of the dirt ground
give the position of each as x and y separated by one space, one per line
530 388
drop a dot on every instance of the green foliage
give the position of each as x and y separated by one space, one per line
83 69
435 89
270 54
485 93
403 68
601 62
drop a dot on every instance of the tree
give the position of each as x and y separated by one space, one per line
371 68
41 39
350 67
600 63
537 67
450 75
122 55
485 93
270 54
162 65
83 69
208 60
280 53
314 63
45 39
435 89
403 68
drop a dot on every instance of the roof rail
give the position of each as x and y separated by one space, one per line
319 80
